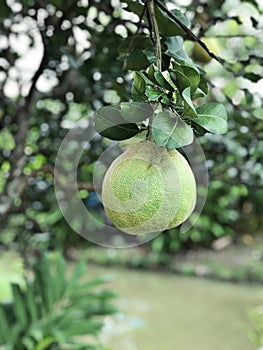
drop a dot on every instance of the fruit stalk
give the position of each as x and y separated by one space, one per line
156 34
158 51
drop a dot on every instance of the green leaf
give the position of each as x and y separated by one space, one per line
181 17
121 131
189 108
166 25
150 73
134 56
136 111
198 93
19 306
136 61
186 76
60 277
5 11
170 131
176 50
158 75
110 123
180 80
45 343
203 85
139 84
212 117
29 343
31 303
77 274
4 329
154 95
258 113
150 54
253 77
133 6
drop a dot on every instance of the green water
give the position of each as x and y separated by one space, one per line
161 311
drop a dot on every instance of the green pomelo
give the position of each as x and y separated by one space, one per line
148 189
199 54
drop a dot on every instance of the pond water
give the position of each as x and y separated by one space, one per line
165 311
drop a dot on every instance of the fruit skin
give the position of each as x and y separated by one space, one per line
148 189
200 55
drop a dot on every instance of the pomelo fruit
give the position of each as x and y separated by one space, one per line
148 189
200 55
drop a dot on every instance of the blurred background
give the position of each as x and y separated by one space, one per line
201 289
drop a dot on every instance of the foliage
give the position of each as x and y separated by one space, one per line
256 330
54 312
11 271
60 61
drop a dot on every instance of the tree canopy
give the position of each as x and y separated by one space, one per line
62 60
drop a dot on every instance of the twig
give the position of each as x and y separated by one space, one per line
187 31
158 53
156 34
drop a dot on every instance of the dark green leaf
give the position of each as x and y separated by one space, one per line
19 305
113 121
189 107
249 96
139 84
134 6
5 11
150 54
121 131
166 25
136 111
180 80
154 95
4 329
31 303
212 117
163 83
253 77
134 56
59 287
170 131
136 61
150 73
107 117
203 85
191 75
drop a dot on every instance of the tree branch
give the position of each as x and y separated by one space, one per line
187 31
13 187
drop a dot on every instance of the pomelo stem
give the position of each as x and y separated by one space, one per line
156 34
158 53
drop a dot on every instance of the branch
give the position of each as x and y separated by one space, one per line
156 34
14 186
187 31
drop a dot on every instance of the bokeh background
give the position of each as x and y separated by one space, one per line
59 62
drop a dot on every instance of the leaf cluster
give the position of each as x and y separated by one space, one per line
53 310
177 88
